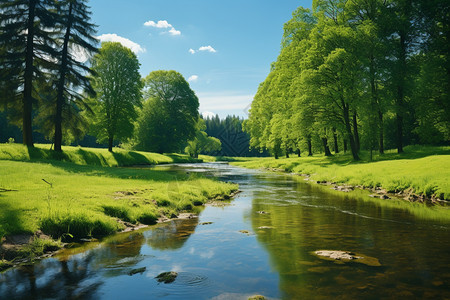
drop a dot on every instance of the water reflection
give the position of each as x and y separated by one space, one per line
306 218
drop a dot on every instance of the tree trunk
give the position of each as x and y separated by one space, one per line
336 147
287 152
348 128
400 92
381 128
298 152
27 101
345 145
110 143
325 146
61 83
355 133
309 146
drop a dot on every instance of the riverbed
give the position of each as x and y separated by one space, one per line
260 243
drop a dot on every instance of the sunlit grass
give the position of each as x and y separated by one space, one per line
84 200
423 170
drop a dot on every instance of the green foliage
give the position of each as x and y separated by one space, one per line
118 86
169 117
202 143
364 74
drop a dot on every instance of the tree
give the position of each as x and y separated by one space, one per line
202 143
73 74
118 86
27 37
169 117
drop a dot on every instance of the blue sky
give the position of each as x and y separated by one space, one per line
224 48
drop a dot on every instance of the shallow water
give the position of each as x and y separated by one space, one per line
286 219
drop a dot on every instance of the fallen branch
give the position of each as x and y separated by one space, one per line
7 190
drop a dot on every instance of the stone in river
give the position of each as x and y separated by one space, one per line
347 256
167 277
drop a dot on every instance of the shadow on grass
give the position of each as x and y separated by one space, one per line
116 172
92 158
131 157
12 219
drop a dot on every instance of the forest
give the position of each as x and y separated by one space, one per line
58 87
355 75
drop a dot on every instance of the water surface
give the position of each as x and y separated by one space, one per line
261 243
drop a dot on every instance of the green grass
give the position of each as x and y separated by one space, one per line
78 200
89 156
423 170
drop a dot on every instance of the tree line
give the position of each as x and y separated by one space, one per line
54 79
357 74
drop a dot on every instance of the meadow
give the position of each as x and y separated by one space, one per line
82 194
420 169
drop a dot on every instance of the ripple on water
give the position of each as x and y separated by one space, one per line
187 284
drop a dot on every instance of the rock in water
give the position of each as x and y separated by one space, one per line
347 256
167 277
135 271
257 297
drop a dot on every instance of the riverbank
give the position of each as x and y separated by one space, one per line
419 174
45 203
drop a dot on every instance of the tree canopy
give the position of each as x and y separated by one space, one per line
169 117
118 86
356 73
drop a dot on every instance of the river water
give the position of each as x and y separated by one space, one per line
261 243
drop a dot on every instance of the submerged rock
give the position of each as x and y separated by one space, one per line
136 271
205 223
245 232
257 297
167 277
347 256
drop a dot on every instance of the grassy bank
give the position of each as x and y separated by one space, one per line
89 156
421 170
71 201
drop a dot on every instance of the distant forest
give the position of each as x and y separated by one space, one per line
235 142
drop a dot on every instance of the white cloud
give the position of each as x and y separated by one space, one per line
207 48
159 24
172 31
112 37
208 114
203 48
193 78
163 24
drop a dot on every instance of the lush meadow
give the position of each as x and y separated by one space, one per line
81 196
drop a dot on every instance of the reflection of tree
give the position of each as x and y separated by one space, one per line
312 219
35 282
173 235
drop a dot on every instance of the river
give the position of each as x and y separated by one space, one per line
262 242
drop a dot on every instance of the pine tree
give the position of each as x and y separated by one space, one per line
78 36
27 37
